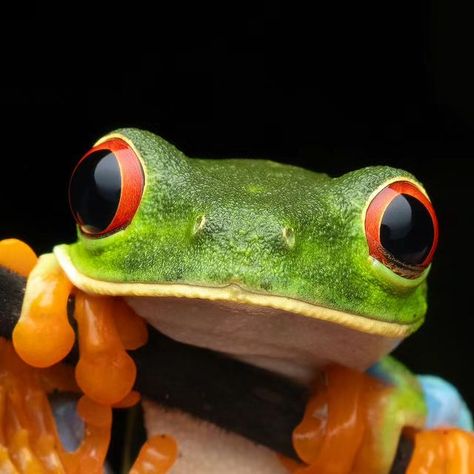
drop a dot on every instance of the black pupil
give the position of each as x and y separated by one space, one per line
407 230
95 191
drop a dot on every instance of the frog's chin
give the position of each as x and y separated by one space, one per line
282 334
235 295
267 337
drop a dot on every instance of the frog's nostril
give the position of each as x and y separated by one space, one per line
199 224
289 236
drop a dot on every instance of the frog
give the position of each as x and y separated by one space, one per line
276 266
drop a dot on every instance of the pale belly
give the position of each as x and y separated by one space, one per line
207 449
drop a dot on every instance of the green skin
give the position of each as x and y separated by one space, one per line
248 204
269 228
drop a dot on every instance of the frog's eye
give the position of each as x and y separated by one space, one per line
106 188
402 229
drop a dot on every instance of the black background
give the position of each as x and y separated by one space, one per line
332 89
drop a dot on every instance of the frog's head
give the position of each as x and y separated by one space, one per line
345 258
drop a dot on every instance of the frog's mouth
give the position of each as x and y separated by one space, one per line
252 326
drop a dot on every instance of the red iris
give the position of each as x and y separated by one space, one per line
106 188
402 228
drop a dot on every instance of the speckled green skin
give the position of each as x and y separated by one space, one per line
269 227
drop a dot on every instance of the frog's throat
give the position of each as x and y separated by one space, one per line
232 293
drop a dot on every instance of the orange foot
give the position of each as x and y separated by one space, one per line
352 426
107 327
443 451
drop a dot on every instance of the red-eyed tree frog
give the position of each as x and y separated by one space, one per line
280 267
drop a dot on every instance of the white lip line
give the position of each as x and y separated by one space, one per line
232 293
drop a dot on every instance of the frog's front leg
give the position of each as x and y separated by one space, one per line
354 422
398 406
445 405
445 444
